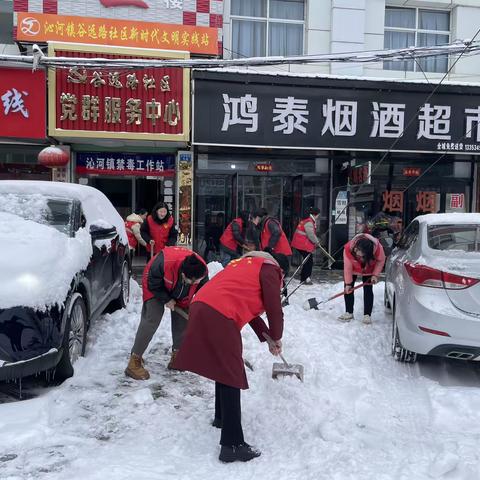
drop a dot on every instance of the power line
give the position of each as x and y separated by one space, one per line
38 59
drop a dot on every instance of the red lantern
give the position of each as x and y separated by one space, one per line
53 157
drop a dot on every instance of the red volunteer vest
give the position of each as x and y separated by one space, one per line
356 265
172 261
300 240
159 233
227 239
282 245
235 292
132 241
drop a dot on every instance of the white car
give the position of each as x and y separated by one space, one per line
432 286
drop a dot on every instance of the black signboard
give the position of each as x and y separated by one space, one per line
253 110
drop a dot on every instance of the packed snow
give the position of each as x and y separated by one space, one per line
358 415
95 205
35 277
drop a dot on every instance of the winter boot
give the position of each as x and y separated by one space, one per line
367 319
241 453
172 360
345 317
135 368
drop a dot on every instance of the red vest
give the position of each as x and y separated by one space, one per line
300 240
235 292
159 233
132 241
227 239
282 245
172 261
356 265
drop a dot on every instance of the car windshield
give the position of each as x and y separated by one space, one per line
56 212
454 237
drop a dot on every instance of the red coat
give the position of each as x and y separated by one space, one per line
300 240
351 266
227 239
172 261
159 232
212 343
282 245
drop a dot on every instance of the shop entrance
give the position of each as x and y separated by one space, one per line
220 198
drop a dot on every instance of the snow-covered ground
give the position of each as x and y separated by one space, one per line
358 415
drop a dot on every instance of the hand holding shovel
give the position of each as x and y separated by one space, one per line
283 369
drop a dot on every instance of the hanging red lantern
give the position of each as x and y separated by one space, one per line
53 157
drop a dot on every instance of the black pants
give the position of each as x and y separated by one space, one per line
307 266
367 297
229 411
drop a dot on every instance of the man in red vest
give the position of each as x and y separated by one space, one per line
212 346
232 240
170 279
271 237
158 230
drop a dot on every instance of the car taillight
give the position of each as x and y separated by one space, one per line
431 277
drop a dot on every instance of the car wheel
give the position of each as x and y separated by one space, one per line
400 353
74 339
123 298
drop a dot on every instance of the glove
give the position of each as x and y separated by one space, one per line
268 250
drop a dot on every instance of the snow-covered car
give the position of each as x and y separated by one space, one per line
432 285
64 258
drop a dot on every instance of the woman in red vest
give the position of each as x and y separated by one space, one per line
305 240
232 240
158 230
170 279
362 255
212 346
271 237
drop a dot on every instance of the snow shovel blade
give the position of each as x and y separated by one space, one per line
289 370
311 303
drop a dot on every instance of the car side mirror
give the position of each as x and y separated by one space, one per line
104 230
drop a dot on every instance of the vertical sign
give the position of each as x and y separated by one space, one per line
184 198
341 208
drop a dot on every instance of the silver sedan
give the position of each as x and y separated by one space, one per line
432 287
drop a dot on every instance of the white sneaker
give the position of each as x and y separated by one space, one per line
308 281
345 317
367 319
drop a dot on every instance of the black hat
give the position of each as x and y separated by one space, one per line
193 268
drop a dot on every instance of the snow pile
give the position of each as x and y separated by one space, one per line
38 262
359 415
214 268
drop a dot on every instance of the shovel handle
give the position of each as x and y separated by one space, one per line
341 294
181 312
272 344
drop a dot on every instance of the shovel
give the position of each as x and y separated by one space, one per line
184 315
314 303
284 369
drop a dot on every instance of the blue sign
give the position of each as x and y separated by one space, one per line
125 164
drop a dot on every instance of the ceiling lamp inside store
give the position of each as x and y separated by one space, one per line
53 157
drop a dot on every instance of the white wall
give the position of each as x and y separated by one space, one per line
335 26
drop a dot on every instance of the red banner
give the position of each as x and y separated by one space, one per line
23 103
124 103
